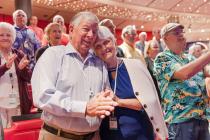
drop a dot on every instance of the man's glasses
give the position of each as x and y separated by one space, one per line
132 33
177 33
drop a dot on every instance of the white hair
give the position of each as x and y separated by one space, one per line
105 33
56 17
126 29
193 47
143 34
14 15
83 16
5 25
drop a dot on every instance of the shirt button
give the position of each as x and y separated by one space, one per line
157 129
145 106
137 93
151 118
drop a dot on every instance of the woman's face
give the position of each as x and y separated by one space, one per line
153 50
55 35
6 39
105 49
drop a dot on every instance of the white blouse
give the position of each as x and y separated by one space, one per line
9 93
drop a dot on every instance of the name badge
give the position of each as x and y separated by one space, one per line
112 122
13 98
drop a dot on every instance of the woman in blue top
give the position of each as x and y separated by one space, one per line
132 122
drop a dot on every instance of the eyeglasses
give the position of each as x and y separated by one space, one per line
132 33
177 33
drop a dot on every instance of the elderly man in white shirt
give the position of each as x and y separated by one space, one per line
66 83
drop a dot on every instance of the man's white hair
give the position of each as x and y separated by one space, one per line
126 29
14 15
142 34
83 16
5 25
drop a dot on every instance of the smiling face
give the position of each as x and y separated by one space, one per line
105 49
83 35
6 39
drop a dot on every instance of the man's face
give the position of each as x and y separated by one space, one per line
131 36
60 21
198 51
176 38
33 20
84 35
20 19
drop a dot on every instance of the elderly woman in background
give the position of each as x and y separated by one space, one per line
53 33
135 94
14 75
64 37
150 52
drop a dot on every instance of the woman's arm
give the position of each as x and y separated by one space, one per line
129 103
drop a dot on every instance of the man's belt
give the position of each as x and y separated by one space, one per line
67 135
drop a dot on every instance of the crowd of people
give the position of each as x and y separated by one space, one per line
90 88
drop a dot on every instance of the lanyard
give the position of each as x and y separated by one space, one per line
116 75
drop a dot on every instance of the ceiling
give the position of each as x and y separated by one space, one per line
145 14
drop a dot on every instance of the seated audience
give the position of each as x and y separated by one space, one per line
14 75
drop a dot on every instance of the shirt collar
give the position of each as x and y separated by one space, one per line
18 28
71 50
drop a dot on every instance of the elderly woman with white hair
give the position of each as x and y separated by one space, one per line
26 39
14 74
138 114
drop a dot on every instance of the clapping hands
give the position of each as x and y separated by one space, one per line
10 60
23 62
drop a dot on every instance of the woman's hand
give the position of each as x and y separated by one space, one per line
10 60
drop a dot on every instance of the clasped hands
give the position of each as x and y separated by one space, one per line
102 104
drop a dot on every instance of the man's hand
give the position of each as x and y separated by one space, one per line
23 62
101 104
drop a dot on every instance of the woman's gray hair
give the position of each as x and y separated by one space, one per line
5 25
105 33
14 15
75 21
